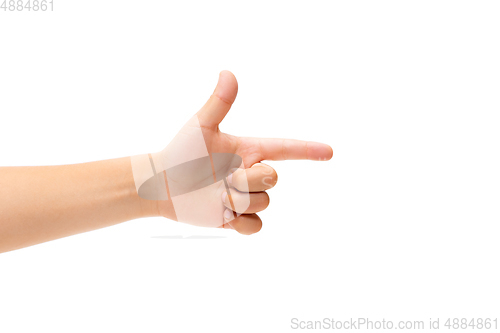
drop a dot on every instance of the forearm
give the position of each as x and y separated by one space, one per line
38 204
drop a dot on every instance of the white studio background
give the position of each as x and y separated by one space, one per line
402 223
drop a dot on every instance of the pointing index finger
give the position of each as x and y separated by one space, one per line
289 149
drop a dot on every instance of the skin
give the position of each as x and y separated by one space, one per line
43 203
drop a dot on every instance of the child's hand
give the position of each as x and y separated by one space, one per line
208 178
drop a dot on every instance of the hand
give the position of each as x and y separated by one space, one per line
192 179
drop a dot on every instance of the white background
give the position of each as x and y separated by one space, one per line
402 223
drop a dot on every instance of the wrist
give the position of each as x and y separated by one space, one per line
150 185
144 207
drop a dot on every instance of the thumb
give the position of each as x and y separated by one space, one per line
216 108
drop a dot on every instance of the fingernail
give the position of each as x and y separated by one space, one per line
224 195
230 179
227 214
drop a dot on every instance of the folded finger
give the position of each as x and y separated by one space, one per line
258 178
246 224
245 203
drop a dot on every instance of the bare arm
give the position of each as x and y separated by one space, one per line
38 204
